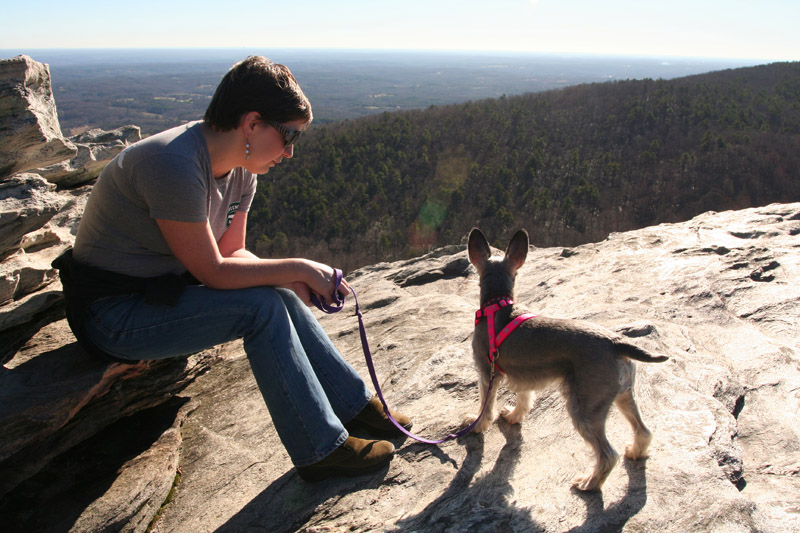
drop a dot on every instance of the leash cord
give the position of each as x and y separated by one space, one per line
338 306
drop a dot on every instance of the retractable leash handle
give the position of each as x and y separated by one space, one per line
322 306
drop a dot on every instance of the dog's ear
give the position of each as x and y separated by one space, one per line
478 249
517 250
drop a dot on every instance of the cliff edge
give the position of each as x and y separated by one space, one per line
188 445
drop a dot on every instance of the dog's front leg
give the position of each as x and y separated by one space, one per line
490 411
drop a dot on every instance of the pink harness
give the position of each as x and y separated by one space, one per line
496 339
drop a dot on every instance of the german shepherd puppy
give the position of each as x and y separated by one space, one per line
592 364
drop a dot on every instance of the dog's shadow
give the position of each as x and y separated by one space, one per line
468 504
613 519
486 504
482 505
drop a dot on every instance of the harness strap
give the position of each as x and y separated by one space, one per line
496 339
506 331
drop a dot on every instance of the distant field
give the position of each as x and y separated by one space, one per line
156 89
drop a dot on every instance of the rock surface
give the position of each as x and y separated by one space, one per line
56 403
719 294
30 136
40 211
188 446
95 148
27 202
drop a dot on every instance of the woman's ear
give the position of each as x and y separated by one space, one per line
249 121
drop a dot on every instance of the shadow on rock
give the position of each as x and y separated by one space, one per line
602 520
59 398
289 502
71 482
482 505
37 398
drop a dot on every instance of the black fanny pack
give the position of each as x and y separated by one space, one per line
84 285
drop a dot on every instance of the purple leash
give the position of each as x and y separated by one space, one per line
338 306
338 303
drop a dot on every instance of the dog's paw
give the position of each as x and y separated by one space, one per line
638 448
481 426
512 415
634 452
586 483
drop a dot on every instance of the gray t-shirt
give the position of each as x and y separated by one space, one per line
166 176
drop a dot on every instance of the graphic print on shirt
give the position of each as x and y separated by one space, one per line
231 212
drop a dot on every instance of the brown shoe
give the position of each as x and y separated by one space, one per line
373 418
354 457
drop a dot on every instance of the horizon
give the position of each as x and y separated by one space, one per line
715 29
390 51
513 64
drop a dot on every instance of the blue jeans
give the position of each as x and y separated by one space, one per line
308 387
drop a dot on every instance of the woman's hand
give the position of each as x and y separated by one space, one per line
301 290
324 283
304 292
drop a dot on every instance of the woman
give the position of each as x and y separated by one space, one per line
159 269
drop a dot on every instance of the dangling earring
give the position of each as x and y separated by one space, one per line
247 150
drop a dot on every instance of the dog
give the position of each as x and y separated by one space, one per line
592 364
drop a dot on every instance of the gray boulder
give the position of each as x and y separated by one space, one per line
38 223
27 202
30 135
95 149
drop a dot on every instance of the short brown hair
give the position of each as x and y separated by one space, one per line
257 84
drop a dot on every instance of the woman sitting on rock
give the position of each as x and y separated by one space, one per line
159 269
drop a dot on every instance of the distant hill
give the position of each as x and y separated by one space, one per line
570 165
157 89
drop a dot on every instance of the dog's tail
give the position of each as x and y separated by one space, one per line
634 352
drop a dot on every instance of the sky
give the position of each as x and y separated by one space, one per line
763 29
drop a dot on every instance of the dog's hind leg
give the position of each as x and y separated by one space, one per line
589 417
627 405
605 457
641 435
517 413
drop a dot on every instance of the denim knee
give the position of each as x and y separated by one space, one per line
289 297
263 301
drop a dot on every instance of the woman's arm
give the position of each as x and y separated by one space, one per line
194 245
233 240
232 244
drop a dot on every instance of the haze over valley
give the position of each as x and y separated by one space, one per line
157 89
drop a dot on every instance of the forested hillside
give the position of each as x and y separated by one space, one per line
569 165
160 88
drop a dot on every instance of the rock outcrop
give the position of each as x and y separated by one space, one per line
718 294
28 120
53 397
95 148
40 208
188 445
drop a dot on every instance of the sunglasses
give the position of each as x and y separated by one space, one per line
289 136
